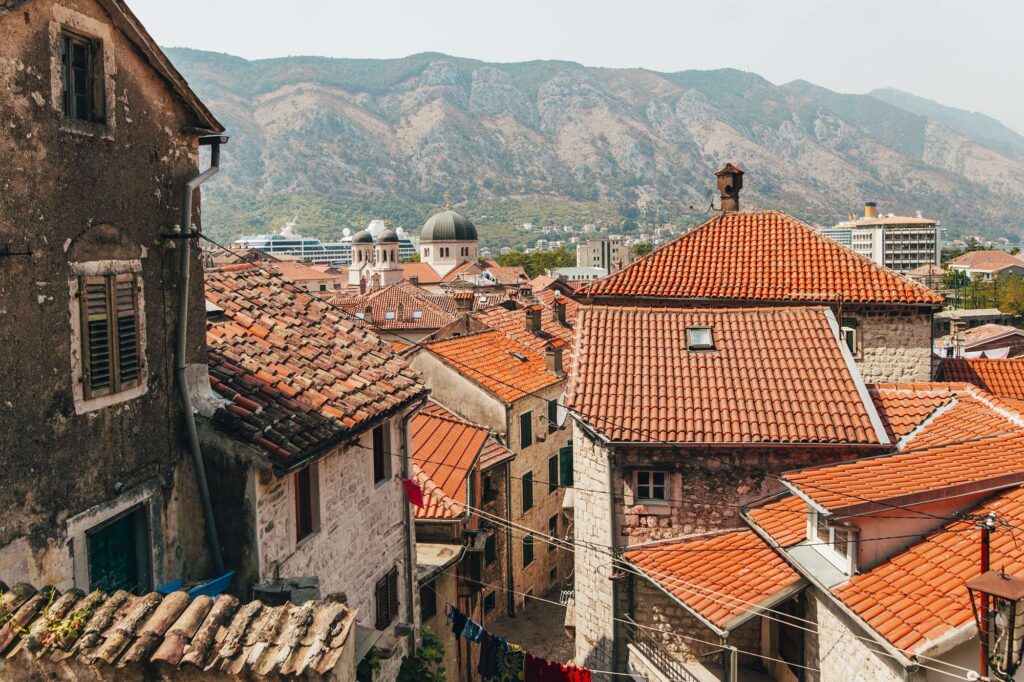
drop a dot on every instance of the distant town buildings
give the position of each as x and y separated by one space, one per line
577 274
312 250
897 242
987 265
611 254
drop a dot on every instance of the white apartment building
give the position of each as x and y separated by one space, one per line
611 254
900 243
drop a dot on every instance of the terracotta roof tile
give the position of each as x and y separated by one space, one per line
121 630
717 575
462 270
1000 377
987 261
904 408
445 449
418 309
508 275
423 272
509 370
968 441
918 596
776 375
287 388
784 519
494 454
768 256
512 323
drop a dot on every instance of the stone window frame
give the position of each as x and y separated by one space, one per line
145 497
314 500
80 270
385 455
666 486
66 20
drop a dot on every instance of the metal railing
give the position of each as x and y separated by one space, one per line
667 662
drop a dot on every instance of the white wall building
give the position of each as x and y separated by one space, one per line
900 243
612 254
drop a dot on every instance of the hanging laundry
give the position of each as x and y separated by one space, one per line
413 492
472 631
490 647
540 670
510 663
574 674
458 620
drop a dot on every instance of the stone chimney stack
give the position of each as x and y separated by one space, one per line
730 182
559 310
553 355
533 321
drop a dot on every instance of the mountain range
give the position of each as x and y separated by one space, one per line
339 141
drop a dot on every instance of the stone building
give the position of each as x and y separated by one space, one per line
460 560
769 258
514 391
306 439
682 416
100 135
447 240
375 261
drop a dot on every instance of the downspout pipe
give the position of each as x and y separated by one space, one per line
410 567
186 234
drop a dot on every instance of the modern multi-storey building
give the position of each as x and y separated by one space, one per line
612 254
901 243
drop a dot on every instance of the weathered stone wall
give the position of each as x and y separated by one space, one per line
72 194
894 345
495 573
595 613
359 538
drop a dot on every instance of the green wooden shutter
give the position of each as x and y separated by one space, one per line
126 302
97 350
565 465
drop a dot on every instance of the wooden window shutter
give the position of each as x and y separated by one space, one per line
97 344
97 97
380 593
128 360
392 594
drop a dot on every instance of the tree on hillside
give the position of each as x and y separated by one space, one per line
641 249
539 262
1011 294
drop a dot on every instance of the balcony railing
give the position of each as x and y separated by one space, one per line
667 662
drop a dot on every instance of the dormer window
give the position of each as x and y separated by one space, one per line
361 316
834 542
389 315
699 338
417 314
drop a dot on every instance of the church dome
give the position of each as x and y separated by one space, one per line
362 237
448 226
388 236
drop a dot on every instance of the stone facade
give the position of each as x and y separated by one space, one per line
78 198
893 344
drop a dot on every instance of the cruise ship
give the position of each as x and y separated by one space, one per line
310 249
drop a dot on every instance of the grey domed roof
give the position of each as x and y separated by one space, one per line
388 236
448 226
362 237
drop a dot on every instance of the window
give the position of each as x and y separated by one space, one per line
526 429
381 460
490 550
849 334
822 529
565 465
323 287
490 492
699 338
306 505
110 334
417 314
490 601
552 416
527 491
389 314
650 485
552 531
552 473
428 602
81 70
527 550
386 598
841 542
119 554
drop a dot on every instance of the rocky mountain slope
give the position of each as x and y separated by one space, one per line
336 139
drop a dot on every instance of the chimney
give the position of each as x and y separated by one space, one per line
368 314
870 209
730 182
559 310
401 312
553 355
414 279
463 300
533 322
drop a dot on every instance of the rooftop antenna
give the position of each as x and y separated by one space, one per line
710 198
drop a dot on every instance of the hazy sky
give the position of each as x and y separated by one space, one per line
965 54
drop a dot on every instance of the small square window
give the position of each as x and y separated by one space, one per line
417 314
650 485
699 338
389 314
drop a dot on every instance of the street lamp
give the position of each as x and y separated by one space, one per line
1000 621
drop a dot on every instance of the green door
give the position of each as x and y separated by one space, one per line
114 556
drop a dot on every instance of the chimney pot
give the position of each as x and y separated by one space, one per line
533 321
730 182
559 310
554 361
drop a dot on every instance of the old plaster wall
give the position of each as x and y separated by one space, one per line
895 344
79 194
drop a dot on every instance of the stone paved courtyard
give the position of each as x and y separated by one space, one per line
539 629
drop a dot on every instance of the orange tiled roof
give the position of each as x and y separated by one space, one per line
124 636
507 369
512 323
298 374
987 261
904 407
967 442
1001 377
300 272
718 576
385 302
767 256
508 275
777 375
445 448
494 454
918 596
423 272
784 519
462 270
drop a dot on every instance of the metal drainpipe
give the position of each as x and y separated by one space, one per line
185 234
407 520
